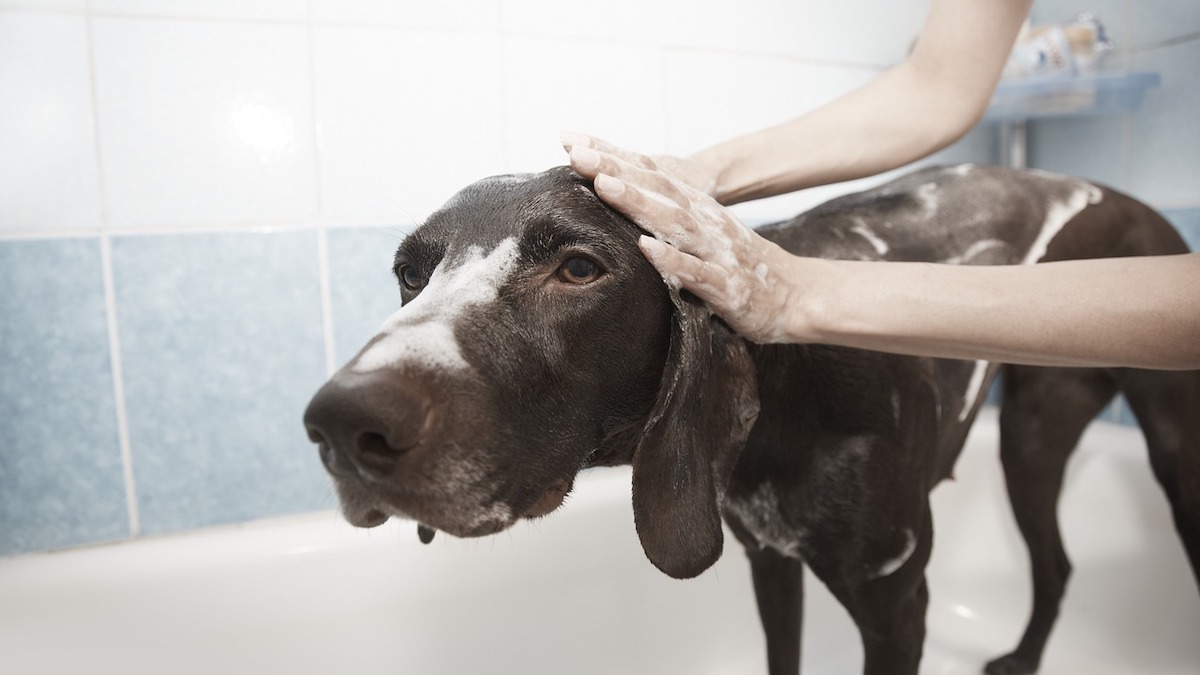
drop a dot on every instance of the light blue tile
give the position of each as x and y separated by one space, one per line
995 392
1118 412
979 146
1088 147
1122 414
221 343
1165 142
1187 221
362 289
61 481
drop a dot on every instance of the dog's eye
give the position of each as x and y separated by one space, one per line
578 270
411 277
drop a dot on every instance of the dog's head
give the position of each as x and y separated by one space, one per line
534 340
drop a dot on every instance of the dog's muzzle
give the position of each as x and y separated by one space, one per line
394 447
365 423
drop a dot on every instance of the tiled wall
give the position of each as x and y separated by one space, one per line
199 201
1154 153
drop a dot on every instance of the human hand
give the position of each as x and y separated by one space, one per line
687 171
698 244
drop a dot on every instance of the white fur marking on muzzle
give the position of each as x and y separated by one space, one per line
422 332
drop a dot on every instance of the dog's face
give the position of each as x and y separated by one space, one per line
533 340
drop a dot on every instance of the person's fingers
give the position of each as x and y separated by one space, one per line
571 140
684 271
652 211
590 163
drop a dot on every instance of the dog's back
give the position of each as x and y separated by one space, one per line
976 215
979 215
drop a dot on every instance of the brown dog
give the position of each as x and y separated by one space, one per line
534 341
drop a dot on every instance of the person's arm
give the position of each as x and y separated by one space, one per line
1140 312
916 108
1118 312
1137 312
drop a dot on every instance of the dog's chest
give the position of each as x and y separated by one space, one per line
758 515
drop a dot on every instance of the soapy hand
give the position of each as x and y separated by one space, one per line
698 244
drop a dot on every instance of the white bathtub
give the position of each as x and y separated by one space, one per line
572 593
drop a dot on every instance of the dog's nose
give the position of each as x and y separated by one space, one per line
364 423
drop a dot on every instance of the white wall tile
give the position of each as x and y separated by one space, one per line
549 90
406 118
616 20
269 10
204 122
47 5
861 31
48 172
855 31
452 14
761 26
712 97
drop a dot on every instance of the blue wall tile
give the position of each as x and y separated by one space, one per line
1088 147
222 346
61 479
1122 414
1187 221
1153 22
1165 133
363 291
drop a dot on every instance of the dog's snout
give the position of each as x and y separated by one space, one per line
364 424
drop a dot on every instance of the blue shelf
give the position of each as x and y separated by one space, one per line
1069 96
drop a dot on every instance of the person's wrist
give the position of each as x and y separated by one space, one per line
744 169
811 305
710 168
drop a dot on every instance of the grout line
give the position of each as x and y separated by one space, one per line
1127 149
323 279
110 301
325 224
326 303
118 376
506 154
214 228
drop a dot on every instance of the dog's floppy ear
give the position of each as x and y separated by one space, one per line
707 403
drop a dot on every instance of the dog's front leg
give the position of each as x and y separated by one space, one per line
888 607
779 588
893 646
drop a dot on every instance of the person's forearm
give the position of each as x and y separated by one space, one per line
870 130
1138 312
916 108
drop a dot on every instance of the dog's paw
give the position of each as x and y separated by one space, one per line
1011 664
